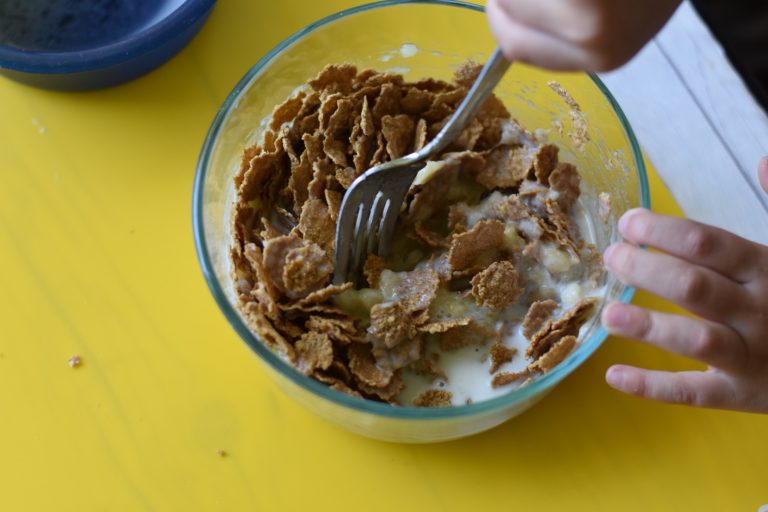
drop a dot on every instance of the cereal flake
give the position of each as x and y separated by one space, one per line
497 286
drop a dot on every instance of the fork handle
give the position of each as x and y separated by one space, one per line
489 76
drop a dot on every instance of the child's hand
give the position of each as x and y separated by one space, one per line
717 275
592 35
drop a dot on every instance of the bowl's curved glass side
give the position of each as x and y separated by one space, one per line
427 53
609 160
403 430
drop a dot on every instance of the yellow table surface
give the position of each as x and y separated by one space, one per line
97 259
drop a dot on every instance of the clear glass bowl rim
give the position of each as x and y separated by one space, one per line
324 392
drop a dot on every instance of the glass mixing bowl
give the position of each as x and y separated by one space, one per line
418 39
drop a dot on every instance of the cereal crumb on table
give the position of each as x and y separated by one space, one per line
74 361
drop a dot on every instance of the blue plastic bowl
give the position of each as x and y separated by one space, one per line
89 44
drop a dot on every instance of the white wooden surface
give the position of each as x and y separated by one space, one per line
698 124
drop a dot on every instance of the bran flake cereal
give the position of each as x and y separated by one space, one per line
485 248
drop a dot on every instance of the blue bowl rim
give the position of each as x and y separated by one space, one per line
520 395
134 45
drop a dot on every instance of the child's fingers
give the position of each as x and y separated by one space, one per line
555 18
701 389
709 342
520 42
716 249
695 288
762 172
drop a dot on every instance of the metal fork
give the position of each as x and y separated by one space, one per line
372 204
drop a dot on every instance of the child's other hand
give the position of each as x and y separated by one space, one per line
592 35
717 275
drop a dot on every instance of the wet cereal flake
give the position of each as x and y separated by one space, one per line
428 197
434 398
264 290
444 325
473 246
537 314
554 355
391 324
275 252
430 238
497 286
363 366
565 180
593 260
340 329
505 167
322 295
511 209
314 351
428 366
343 388
457 217
386 393
372 269
401 355
469 136
544 162
506 378
559 226
465 335
500 355
260 324
306 269
416 289
568 325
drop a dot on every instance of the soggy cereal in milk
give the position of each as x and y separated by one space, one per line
490 277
